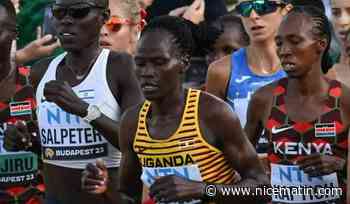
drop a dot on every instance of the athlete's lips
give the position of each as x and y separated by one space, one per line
66 34
288 66
105 43
149 86
256 27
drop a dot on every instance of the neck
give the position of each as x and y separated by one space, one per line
78 59
311 84
5 68
263 58
344 58
175 100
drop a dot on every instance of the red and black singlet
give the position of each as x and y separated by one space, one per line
19 170
290 140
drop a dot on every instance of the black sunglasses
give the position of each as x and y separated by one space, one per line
261 7
76 11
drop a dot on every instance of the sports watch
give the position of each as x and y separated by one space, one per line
93 112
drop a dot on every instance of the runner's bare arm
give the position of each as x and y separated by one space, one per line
130 168
239 151
258 110
124 85
218 77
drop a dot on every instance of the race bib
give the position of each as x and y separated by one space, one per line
18 168
297 187
66 137
191 172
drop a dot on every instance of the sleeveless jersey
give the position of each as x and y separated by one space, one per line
18 168
185 153
243 83
67 140
290 140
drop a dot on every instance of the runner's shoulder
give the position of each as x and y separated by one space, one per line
129 123
119 62
220 68
212 107
264 95
131 116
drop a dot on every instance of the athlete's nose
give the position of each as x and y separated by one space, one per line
254 15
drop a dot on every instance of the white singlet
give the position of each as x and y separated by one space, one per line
66 139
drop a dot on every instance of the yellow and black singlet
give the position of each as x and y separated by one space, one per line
185 153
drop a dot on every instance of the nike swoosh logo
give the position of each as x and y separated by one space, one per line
242 79
279 130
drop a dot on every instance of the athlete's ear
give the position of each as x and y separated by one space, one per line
322 45
286 9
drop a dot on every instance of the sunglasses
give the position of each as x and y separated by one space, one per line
115 23
76 11
261 7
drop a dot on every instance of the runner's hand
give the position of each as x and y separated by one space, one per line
39 48
17 137
174 188
62 94
95 177
320 165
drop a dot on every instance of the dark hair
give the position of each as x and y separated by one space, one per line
321 28
232 21
315 3
189 38
9 7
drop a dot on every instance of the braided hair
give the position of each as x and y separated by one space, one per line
189 38
321 28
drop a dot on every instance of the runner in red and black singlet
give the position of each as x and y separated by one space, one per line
19 171
19 180
291 140
306 117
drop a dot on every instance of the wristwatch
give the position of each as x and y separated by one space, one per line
93 112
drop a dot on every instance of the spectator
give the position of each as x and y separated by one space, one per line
122 30
341 23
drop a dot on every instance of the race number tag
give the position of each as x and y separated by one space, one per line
18 168
311 188
191 172
20 108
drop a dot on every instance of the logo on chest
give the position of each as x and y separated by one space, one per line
325 130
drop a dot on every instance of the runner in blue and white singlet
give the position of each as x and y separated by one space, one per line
243 83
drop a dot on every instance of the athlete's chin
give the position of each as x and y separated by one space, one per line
71 48
152 96
293 74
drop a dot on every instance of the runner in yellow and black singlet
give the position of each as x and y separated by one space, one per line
179 141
